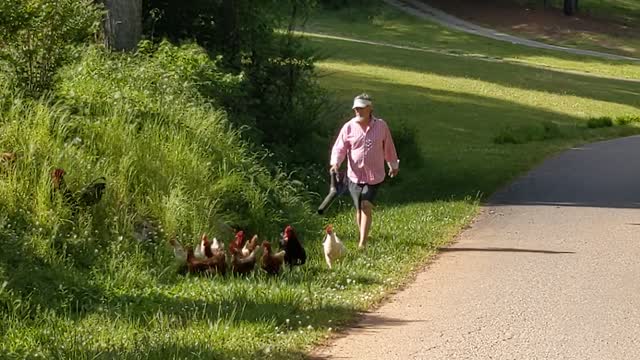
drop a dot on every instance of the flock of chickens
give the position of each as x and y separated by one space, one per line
210 257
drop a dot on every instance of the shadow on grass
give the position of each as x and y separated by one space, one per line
626 92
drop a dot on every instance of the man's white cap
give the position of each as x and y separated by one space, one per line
360 103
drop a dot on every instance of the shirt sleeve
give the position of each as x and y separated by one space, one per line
340 148
390 154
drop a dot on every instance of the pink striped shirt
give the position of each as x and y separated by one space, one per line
366 150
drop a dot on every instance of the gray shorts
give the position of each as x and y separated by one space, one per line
361 192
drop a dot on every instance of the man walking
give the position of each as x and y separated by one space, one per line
366 143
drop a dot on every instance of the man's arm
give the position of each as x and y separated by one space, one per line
340 148
390 154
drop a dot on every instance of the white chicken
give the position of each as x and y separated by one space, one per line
249 246
333 247
199 252
216 245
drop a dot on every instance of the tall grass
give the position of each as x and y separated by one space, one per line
174 166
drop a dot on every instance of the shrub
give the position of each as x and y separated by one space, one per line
599 122
627 119
529 132
36 37
278 100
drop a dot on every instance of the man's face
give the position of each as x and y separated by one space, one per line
362 112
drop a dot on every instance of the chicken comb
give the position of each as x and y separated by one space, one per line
288 231
329 228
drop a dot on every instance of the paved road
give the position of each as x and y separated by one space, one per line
422 10
550 270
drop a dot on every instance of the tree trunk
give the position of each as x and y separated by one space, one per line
570 7
123 24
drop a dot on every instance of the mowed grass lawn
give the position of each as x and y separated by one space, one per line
445 112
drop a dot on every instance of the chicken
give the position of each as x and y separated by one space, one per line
217 245
59 185
217 262
294 250
213 265
237 243
206 248
250 246
242 265
333 247
89 195
199 252
271 263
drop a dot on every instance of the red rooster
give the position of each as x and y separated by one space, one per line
293 247
237 244
89 195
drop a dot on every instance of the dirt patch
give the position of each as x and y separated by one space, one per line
546 24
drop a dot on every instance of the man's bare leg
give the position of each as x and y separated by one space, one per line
365 222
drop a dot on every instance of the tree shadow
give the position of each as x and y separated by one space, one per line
522 76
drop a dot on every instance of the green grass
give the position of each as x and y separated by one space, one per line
67 291
385 24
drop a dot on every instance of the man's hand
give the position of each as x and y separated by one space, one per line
333 169
393 172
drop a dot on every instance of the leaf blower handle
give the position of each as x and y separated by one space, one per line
333 191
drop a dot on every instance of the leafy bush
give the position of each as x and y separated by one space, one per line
278 99
529 132
599 122
141 84
35 37
627 119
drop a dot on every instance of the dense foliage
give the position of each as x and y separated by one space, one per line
278 98
36 38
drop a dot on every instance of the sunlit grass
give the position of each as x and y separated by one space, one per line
459 86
